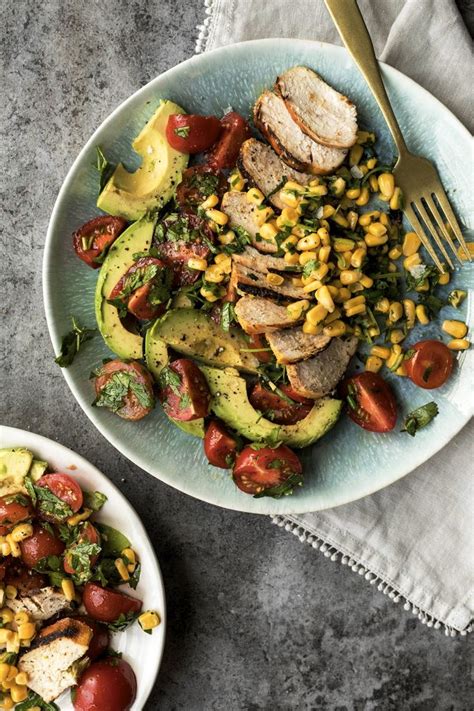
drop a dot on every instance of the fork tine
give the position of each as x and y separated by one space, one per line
448 211
412 218
432 229
435 212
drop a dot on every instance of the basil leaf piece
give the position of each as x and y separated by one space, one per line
72 342
104 168
284 489
420 417
123 621
113 541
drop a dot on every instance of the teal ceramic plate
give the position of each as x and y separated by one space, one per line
348 463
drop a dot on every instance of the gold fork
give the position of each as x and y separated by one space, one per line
416 176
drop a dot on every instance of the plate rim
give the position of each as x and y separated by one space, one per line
10 433
47 288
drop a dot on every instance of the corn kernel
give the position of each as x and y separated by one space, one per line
197 263
459 344
209 202
289 217
364 197
395 253
26 630
395 312
397 335
365 220
366 281
374 183
19 693
217 216
338 187
21 617
372 240
289 199
323 296
444 278
15 549
324 236
255 196
226 237
21 679
324 253
312 286
382 306
67 587
343 244
149 620
343 295
355 301
411 261
328 211
307 257
335 329
13 643
316 314
387 184
424 286
292 258
297 308
311 329
262 215
421 314
297 281
373 364
410 313
214 274
7 616
268 231
353 193
411 244
122 569
7 703
356 310
318 190
364 137
350 276
380 352
358 257
355 154
377 229
11 592
340 220
470 248
224 261
396 199
237 181
456 329
311 241
4 669
274 279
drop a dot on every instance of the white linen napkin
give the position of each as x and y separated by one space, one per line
413 539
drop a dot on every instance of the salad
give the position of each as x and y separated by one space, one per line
237 290
66 586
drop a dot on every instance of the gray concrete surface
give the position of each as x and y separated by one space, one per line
256 619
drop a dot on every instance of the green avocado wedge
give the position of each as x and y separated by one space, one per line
137 238
132 195
231 404
15 463
194 334
156 357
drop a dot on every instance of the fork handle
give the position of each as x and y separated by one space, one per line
353 31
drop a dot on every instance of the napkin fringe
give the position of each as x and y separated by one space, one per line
336 555
205 29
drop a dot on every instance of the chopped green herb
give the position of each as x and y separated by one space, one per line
33 700
283 489
227 315
182 131
123 621
169 378
113 394
456 297
72 342
420 417
310 267
104 168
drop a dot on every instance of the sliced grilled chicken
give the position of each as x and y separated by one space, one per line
257 315
292 345
251 281
42 604
243 214
50 662
259 163
327 116
295 148
265 263
319 375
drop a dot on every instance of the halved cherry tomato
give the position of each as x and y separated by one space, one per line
41 544
87 534
175 253
297 397
267 471
219 446
431 364
137 300
184 393
276 408
371 402
132 406
100 637
235 130
197 184
257 340
23 579
106 605
192 133
65 488
107 685
12 512
93 239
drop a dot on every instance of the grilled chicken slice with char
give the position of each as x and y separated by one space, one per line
318 376
248 280
258 315
41 604
295 148
292 345
322 113
263 168
265 263
245 215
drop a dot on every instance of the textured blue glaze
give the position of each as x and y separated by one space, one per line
348 463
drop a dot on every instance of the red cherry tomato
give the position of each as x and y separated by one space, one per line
294 395
185 395
95 237
137 301
100 637
276 408
219 446
197 184
256 341
23 579
371 402
266 471
235 130
41 544
105 605
131 408
107 685
191 133
431 364
12 512
88 534
65 488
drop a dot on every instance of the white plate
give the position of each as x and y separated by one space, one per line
142 651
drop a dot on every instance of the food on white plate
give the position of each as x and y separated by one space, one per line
62 579
239 304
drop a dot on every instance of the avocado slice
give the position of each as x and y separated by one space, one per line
231 404
137 238
15 464
156 356
132 195
194 334
37 469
